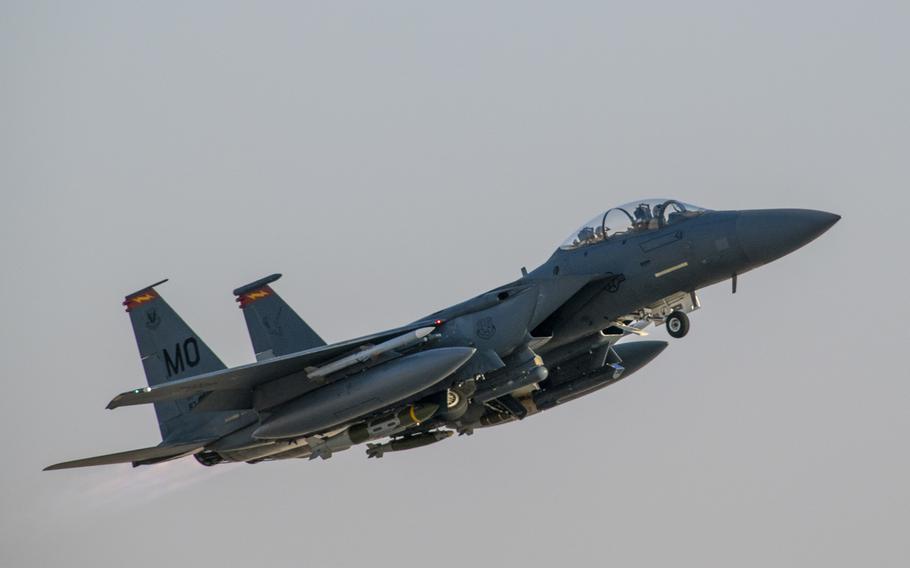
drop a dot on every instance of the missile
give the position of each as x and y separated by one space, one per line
363 431
578 348
260 452
302 451
525 367
408 443
495 387
400 342
634 356
369 391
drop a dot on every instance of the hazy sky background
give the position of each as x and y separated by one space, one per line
391 158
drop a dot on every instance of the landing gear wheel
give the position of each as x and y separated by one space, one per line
677 324
456 404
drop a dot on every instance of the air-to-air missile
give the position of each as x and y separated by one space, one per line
401 342
371 390
261 452
581 347
523 368
407 443
302 451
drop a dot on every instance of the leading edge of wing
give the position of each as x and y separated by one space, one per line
252 374
131 456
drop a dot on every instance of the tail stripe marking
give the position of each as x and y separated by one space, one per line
248 298
136 300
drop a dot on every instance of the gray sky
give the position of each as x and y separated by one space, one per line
391 158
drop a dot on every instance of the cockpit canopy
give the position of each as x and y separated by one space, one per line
631 219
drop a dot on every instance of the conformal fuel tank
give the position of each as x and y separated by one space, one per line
371 390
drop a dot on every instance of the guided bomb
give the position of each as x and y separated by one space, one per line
364 431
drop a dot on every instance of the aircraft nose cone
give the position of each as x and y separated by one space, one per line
768 234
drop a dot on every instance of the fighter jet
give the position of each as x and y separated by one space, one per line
555 334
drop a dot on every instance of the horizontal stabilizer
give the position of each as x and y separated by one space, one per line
156 453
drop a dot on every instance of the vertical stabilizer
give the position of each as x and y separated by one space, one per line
171 350
275 328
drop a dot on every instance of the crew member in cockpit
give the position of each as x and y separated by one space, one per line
586 235
643 217
590 235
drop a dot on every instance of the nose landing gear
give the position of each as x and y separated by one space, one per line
670 311
677 324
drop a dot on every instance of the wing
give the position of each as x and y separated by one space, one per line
154 454
246 377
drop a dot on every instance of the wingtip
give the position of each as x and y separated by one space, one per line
124 398
115 402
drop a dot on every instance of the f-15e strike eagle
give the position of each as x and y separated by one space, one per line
551 336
